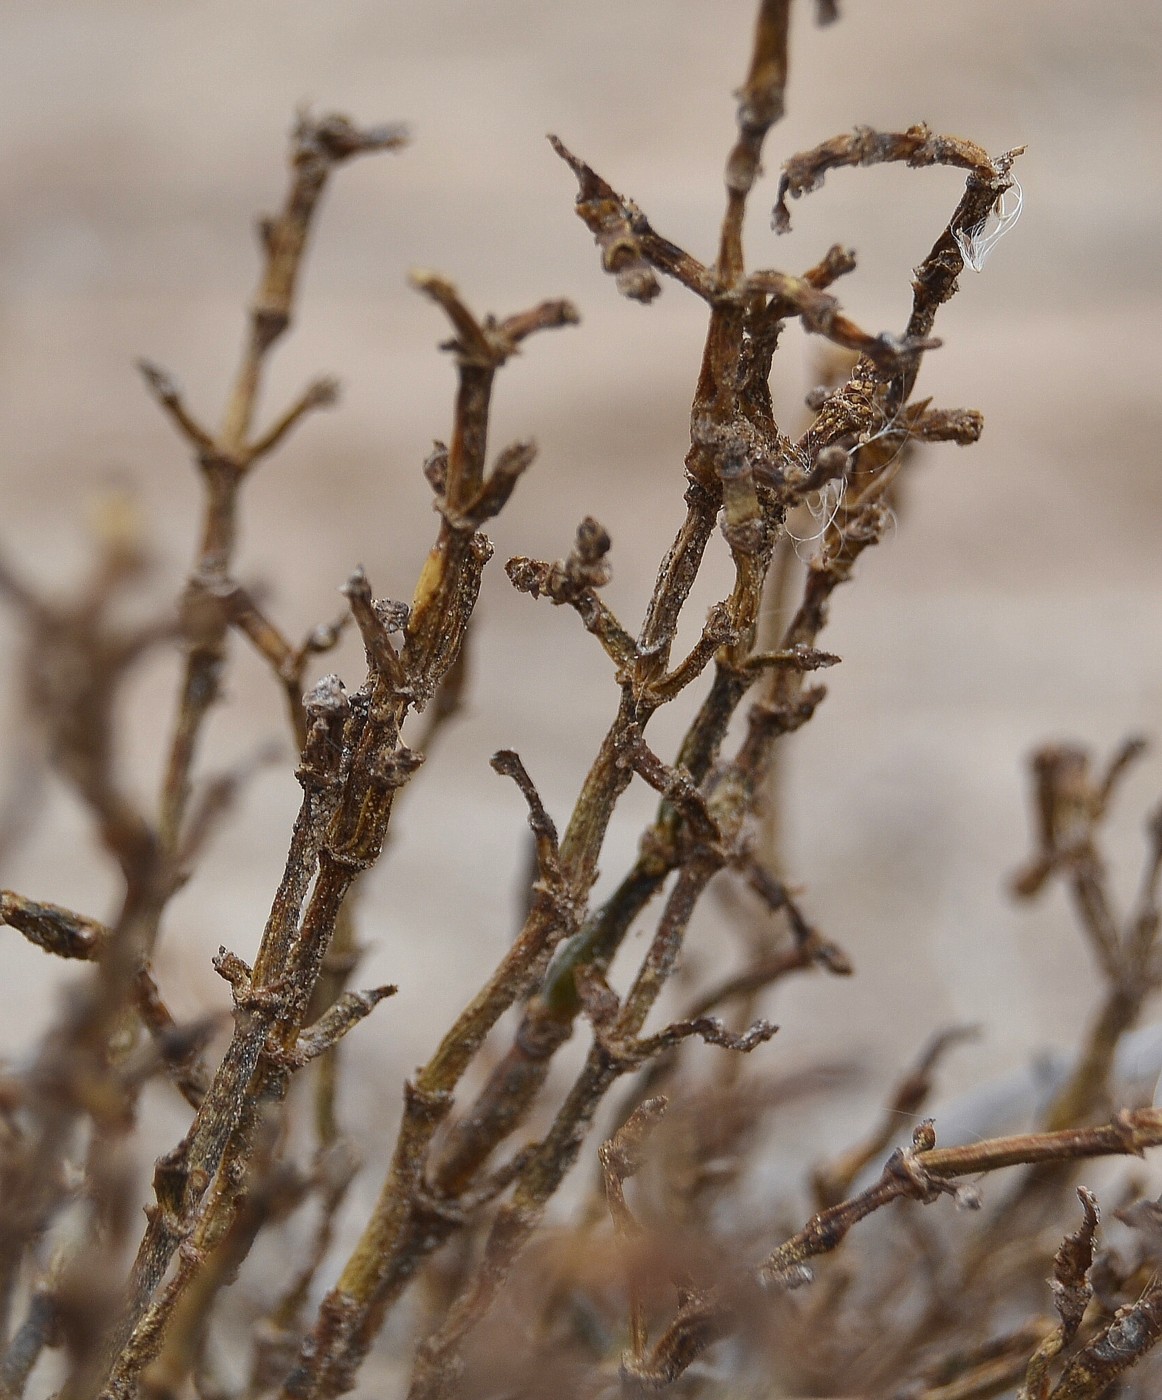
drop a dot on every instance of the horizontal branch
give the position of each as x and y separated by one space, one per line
924 1171
917 147
52 927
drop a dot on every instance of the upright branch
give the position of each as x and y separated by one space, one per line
225 458
761 102
83 1080
353 764
1070 804
78 657
738 464
621 1158
229 1177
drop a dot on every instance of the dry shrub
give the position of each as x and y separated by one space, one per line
678 1279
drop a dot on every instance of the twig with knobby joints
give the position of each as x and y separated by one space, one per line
353 764
740 465
923 1173
228 1179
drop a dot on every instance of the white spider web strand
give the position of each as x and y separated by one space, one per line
824 508
977 242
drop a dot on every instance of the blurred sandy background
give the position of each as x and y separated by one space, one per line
1018 600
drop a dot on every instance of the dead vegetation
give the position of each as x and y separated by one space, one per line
659 1279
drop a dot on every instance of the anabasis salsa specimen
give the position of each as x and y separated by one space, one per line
624 1289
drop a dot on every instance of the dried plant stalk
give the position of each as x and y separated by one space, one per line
452 1174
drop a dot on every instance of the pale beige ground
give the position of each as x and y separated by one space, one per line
1019 598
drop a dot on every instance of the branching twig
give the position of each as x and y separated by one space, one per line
925 1172
233 1173
319 145
833 1181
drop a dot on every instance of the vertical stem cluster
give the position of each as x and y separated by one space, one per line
229 1178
